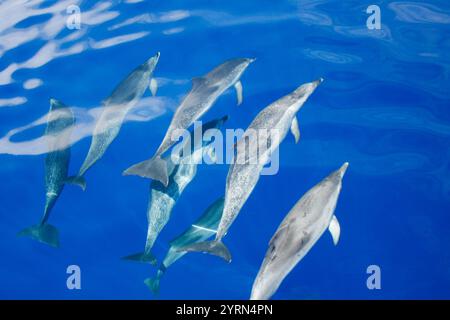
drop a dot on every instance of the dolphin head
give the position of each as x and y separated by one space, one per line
342 169
337 175
153 61
238 65
307 88
297 98
245 62
240 61
235 66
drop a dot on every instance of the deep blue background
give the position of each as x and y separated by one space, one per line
384 108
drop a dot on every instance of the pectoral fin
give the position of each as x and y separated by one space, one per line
335 229
238 87
153 86
295 130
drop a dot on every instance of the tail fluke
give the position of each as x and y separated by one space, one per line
216 248
142 257
78 181
44 233
152 284
155 168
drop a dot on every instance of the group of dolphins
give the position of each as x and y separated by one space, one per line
297 233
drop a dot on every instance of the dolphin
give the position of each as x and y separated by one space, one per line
244 173
60 123
203 228
163 198
124 97
298 232
205 91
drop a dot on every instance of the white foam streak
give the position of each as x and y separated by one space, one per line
147 109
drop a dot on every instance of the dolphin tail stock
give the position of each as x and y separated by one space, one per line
142 257
154 168
78 181
43 232
215 247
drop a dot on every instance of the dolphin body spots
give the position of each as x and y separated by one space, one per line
59 129
205 91
200 230
298 232
244 173
124 97
163 198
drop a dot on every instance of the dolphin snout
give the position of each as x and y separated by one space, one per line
342 169
318 81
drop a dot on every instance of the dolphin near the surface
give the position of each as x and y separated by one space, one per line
203 228
58 133
298 232
205 91
250 159
124 97
163 198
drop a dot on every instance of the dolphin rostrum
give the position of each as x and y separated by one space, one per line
200 230
124 97
205 91
58 132
244 173
181 173
298 232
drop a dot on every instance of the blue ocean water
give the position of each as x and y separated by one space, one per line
383 107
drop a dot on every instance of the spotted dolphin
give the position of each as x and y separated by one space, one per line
250 159
58 133
202 229
205 91
311 216
124 97
163 198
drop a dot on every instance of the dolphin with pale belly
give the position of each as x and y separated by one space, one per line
124 97
181 173
60 124
205 91
249 161
311 216
200 230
